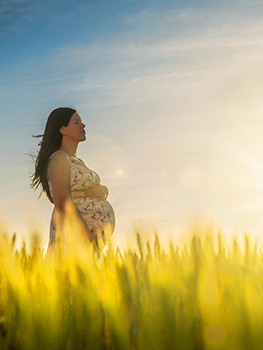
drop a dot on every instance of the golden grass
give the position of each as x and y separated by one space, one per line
191 298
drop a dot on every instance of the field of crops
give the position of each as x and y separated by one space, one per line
196 297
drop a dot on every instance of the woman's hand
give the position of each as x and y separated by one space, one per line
97 192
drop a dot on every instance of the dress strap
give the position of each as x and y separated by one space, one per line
59 151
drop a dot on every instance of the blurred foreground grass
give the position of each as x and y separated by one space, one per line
190 298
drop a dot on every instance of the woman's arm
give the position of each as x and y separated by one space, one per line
98 192
58 175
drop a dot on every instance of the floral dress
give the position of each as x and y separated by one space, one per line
98 215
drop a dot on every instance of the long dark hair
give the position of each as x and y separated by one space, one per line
50 143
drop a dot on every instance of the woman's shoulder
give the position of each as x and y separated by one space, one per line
58 161
59 154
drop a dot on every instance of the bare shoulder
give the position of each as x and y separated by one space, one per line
58 163
59 155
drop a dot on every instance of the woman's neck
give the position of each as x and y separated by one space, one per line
70 148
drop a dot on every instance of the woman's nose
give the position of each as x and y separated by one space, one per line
83 125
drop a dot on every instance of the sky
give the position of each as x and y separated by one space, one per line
171 95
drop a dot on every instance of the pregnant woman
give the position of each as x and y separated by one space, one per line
66 179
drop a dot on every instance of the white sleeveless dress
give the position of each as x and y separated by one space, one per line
98 215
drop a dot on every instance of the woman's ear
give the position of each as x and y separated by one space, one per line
63 131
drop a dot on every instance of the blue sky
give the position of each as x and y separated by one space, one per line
171 95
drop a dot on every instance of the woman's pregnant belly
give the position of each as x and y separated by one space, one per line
98 215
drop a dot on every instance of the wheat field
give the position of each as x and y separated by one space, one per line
195 297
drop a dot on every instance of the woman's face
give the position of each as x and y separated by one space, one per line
75 129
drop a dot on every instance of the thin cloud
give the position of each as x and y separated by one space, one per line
177 65
145 69
14 11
